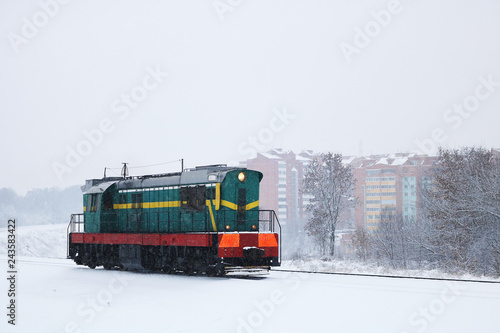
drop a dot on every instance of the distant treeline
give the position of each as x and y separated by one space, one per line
40 206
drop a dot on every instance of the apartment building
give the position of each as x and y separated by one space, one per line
281 187
385 184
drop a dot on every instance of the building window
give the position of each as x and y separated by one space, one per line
373 202
373 179
388 202
388 179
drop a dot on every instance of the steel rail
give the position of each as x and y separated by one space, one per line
384 276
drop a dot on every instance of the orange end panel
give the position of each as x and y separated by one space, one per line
268 240
229 240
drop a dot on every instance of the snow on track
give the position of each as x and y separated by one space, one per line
55 295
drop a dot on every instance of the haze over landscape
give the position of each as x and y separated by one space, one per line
405 242
88 85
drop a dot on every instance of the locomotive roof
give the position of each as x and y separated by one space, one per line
198 175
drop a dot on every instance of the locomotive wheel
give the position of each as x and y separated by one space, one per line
215 270
219 271
210 271
148 260
78 259
188 270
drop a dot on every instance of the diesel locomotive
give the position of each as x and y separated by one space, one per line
204 220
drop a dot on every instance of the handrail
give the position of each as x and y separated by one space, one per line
279 226
76 224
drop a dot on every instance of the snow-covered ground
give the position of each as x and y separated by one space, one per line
47 241
55 295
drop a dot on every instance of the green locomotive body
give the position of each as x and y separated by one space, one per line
207 217
203 200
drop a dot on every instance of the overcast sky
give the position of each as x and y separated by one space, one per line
90 84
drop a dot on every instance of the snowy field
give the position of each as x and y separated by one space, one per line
48 241
55 295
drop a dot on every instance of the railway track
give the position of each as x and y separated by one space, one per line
44 262
385 276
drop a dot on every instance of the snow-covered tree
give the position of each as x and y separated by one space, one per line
331 183
463 204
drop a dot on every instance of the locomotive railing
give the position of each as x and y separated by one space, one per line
75 225
272 223
266 220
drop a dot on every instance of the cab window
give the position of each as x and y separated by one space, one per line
193 197
107 200
93 202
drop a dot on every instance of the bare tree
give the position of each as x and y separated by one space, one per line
362 242
389 240
463 204
402 243
331 183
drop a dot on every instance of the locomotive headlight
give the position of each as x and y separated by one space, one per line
228 227
241 176
254 227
